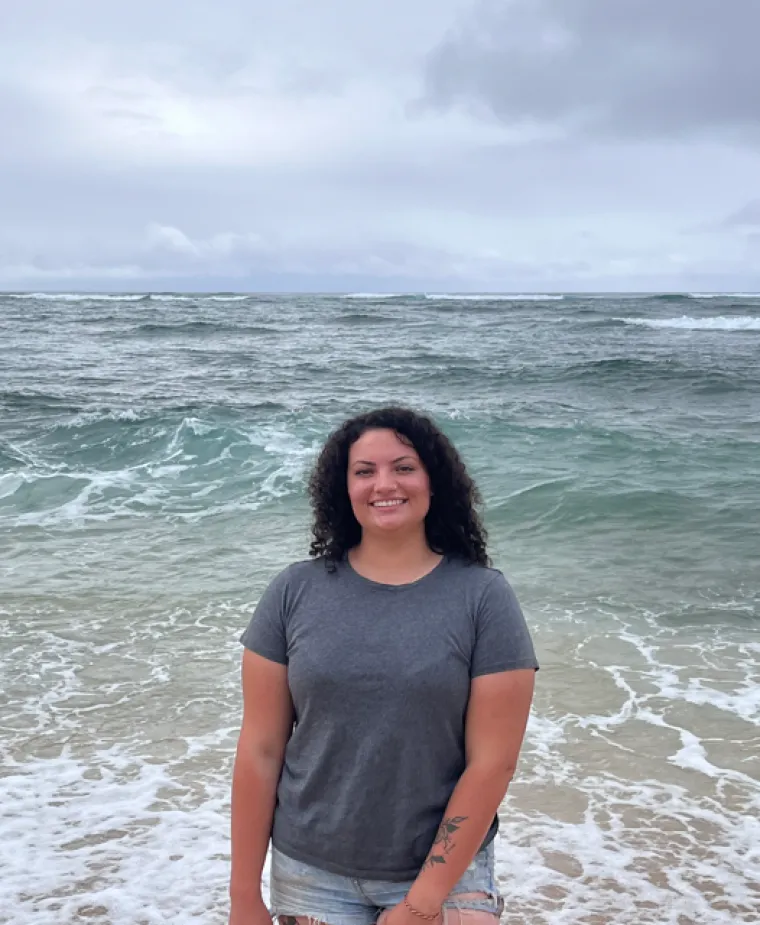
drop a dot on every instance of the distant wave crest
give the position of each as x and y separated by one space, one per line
123 297
725 295
76 297
493 297
372 296
170 297
457 297
686 323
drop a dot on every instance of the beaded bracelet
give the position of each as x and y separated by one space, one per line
422 915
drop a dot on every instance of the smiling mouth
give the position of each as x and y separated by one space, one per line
396 502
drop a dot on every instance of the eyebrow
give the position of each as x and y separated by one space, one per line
367 462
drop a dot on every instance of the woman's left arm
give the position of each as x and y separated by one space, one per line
497 715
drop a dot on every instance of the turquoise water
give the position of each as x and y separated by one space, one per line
153 452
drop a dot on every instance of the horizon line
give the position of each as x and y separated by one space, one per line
379 293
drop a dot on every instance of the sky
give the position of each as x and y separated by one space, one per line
423 145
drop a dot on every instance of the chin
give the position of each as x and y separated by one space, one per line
396 526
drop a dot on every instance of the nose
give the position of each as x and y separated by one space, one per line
385 480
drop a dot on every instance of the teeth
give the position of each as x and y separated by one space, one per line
386 503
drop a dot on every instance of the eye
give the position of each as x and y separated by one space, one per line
362 472
406 468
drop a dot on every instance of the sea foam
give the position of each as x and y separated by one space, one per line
493 297
686 323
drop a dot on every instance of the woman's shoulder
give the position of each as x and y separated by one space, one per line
301 572
473 574
299 568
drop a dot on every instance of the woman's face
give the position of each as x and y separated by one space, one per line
388 486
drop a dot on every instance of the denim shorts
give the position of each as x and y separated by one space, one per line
298 889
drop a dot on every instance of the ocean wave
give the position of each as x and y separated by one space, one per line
493 297
36 401
182 327
606 296
639 375
686 297
76 297
561 510
100 416
687 323
156 329
724 295
374 296
171 297
123 464
622 366
357 318
123 297
162 415
178 297
225 298
667 297
456 297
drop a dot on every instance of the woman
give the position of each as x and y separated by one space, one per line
387 683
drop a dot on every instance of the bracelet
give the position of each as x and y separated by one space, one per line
422 915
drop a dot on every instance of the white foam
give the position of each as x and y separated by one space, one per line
724 295
693 755
103 837
743 701
177 297
139 830
493 297
164 297
603 868
10 482
125 297
224 298
75 297
200 297
686 323
91 417
373 296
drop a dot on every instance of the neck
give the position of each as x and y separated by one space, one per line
392 552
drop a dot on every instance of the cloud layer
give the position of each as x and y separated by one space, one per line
563 144
630 69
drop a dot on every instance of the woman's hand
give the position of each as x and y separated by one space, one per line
403 915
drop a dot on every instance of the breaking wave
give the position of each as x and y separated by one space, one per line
687 323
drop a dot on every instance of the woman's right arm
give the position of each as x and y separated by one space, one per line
266 728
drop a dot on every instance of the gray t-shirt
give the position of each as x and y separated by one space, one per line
380 679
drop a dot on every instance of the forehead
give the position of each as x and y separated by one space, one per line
377 445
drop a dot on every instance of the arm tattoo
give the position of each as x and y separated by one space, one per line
443 843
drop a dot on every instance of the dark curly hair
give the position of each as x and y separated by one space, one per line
452 526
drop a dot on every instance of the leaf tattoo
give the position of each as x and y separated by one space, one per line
443 843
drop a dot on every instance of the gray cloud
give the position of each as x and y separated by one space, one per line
627 68
254 145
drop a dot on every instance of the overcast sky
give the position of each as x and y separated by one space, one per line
445 145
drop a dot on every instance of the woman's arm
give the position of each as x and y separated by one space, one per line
497 715
266 728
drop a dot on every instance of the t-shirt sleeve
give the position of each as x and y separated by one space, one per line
502 638
265 633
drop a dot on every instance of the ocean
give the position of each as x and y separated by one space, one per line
153 457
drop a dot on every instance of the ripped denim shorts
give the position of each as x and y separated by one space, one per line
298 889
